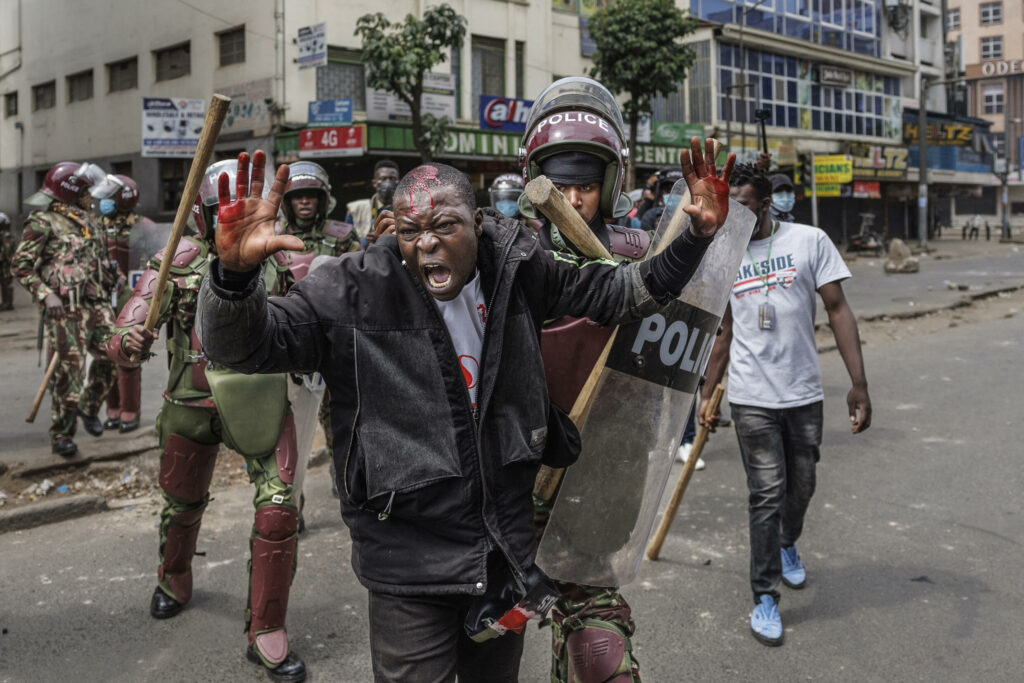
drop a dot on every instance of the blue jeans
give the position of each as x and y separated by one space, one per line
779 448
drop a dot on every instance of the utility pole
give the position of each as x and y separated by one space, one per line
743 76
814 194
922 166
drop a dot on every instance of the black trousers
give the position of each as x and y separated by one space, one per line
421 639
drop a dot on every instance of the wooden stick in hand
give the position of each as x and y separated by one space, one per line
207 139
543 194
684 479
50 370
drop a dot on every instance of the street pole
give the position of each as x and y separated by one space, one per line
922 166
1006 180
743 77
814 194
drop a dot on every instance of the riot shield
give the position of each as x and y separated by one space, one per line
305 396
145 240
608 500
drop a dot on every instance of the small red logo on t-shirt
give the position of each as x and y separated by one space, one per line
483 313
470 370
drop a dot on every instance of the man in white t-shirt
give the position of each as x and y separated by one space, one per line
775 392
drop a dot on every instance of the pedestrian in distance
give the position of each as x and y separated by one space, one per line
362 213
440 412
775 390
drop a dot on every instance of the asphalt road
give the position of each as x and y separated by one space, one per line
20 378
913 547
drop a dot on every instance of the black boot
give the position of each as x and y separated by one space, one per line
291 670
91 423
163 606
65 447
112 424
129 426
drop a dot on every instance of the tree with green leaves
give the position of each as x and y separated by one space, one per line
639 53
398 55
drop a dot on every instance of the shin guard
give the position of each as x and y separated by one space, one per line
591 630
272 565
186 468
175 572
129 389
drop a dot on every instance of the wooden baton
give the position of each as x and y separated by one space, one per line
552 203
654 550
207 139
543 194
50 370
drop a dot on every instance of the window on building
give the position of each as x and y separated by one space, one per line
344 76
172 182
232 46
991 13
173 62
11 104
953 19
121 168
992 47
488 68
80 86
123 75
992 98
44 96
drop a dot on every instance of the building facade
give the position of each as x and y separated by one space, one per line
73 76
987 58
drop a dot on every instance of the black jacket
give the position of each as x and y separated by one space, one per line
427 489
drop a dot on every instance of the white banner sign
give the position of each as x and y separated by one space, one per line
171 126
249 111
438 99
312 46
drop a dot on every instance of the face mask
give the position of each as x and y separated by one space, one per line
386 191
509 207
783 201
106 206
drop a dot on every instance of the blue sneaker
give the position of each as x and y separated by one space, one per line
793 574
765 622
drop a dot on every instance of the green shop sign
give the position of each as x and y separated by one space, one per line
462 142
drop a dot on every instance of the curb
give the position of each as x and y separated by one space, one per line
48 511
89 451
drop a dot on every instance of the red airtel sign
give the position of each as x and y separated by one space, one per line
340 141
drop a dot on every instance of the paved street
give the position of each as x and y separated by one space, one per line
913 548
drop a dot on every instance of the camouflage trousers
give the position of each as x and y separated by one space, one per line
591 628
79 333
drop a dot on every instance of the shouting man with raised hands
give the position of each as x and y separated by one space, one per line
430 343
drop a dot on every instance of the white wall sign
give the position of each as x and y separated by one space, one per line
171 126
438 99
249 111
312 46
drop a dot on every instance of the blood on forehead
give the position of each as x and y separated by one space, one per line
420 196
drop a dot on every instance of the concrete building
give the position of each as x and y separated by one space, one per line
73 76
985 40
834 77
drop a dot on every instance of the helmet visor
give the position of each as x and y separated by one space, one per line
106 188
90 174
573 93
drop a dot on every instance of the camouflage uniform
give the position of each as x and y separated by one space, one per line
125 393
195 418
63 252
326 238
6 257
